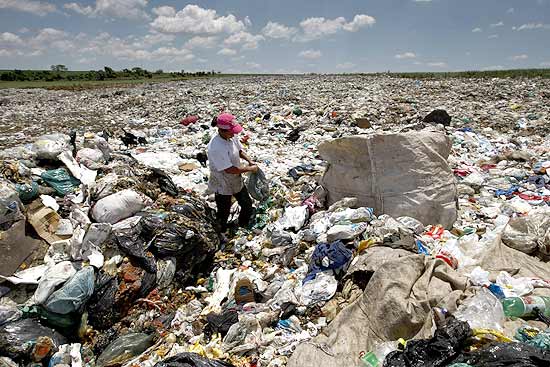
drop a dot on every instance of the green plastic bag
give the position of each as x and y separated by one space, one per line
27 192
60 180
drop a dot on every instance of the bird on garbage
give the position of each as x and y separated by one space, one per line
130 139
72 135
106 134
202 158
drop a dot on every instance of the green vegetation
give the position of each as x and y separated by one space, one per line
59 77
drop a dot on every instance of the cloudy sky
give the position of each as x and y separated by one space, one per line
276 36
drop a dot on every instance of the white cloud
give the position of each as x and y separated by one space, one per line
359 21
276 30
86 60
493 67
77 8
499 24
530 26
134 48
40 8
519 57
253 65
510 11
63 45
47 35
493 36
8 53
11 38
437 64
35 53
406 55
201 42
346 65
315 28
23 30
194 19
477 30
227 52
128 9
181 53
319 27
310 54
166 11
249 41
545 64
153 39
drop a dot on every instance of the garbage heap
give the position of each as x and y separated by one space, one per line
111 254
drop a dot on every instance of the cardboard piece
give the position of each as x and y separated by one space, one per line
16 247
45 221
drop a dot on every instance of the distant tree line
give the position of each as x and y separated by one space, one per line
61 72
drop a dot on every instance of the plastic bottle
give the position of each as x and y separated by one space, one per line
376 357
524 306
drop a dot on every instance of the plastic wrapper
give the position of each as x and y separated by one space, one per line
10 205
9 313
529 233
258 185
483 311
124 348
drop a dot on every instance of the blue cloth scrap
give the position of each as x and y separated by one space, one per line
338 254
508 192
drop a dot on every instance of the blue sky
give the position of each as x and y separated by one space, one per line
276 36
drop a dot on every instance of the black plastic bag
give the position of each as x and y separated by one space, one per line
186 235
101 306
191 360
506 355
113 296
131 243
124 348
440 350
16 338
165 183
220 323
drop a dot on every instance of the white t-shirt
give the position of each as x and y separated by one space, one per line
223 154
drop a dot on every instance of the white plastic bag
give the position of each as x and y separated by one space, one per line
321 288
294 217
482 311
51 145
91 158
121 205
54 276
345 232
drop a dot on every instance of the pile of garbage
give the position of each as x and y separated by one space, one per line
418 242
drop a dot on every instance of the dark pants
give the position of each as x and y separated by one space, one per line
223 202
